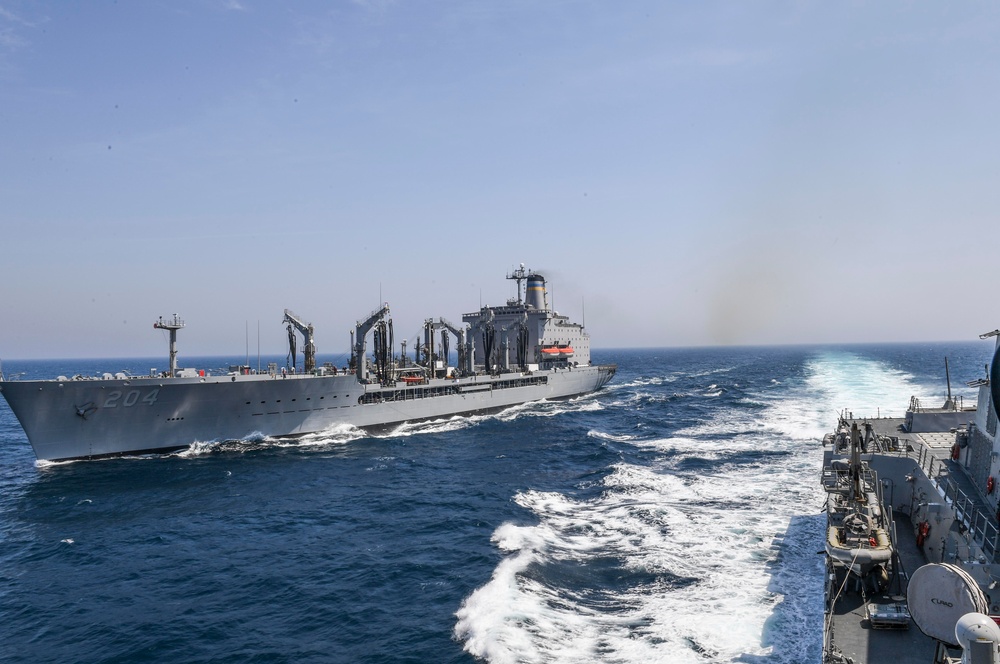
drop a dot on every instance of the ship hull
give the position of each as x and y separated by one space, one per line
73 419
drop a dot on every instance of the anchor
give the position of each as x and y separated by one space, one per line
85 409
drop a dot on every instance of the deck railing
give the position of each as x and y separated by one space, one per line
982 526
980 523
917 407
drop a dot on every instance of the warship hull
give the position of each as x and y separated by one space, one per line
73 419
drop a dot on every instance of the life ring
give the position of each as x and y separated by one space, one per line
922 531
990 484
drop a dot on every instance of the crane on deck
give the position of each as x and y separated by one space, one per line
309 348
464 356
362 330
486 324
519 327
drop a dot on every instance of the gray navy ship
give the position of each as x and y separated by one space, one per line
913 533
507 355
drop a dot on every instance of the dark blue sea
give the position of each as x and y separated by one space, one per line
672 516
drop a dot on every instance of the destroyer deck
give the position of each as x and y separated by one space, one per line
850 636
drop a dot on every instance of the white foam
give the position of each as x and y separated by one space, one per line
45 464
197 448
334 436
618 438
441 425
710 372
869 388
551 409
641 382
541 408
632 399
519 618
693 538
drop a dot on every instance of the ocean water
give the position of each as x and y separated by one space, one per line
673 516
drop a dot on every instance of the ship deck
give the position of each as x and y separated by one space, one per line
849 630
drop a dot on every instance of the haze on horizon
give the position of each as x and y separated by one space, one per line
684 174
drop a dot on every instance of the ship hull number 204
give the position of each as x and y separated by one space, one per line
131 398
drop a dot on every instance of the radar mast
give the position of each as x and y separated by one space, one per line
172 325
519 275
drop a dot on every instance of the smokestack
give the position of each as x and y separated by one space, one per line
535 295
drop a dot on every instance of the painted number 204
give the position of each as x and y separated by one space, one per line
130 398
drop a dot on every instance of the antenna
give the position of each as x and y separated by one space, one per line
947 376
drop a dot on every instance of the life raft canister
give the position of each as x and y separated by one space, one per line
922 531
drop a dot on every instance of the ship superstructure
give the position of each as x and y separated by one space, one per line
507 355
526 332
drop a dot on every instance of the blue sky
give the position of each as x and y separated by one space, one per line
686 173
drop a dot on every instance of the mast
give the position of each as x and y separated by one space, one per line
172 325
518 275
